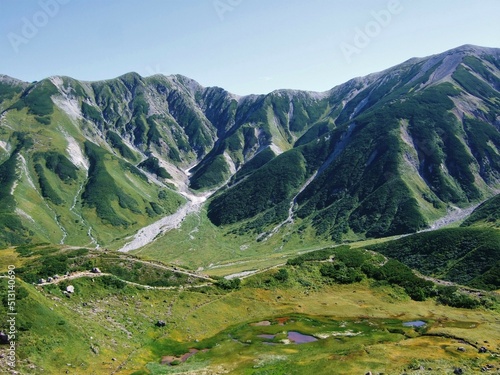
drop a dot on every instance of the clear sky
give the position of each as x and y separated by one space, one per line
244 46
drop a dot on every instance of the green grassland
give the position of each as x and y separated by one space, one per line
109 324
221 251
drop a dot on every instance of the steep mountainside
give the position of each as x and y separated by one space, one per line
468 256
405 143
93 162
487 213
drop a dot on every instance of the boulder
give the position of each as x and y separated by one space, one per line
161 323
461 349
70 289
4 339
482 349
458 371
95 270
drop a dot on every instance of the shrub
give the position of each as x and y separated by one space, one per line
340 273
282 275
152 165
228 284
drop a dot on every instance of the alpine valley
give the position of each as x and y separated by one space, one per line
156 226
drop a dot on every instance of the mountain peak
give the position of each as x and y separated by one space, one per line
190 84
10 80
473 49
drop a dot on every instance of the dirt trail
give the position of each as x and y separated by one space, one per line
173 269
80 274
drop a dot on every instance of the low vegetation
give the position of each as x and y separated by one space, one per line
487 213
152 165
468 256
326 298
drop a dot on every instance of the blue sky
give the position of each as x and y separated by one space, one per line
244 46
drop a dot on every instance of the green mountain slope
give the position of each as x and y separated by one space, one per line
379 155
407 143
488 213
468 256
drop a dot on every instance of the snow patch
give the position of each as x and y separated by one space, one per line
75 153
194 203
148 234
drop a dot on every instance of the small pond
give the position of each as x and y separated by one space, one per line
268 337
415 323
299 338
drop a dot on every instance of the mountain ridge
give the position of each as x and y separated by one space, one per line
396 146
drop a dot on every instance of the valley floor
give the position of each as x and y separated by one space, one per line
359 329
